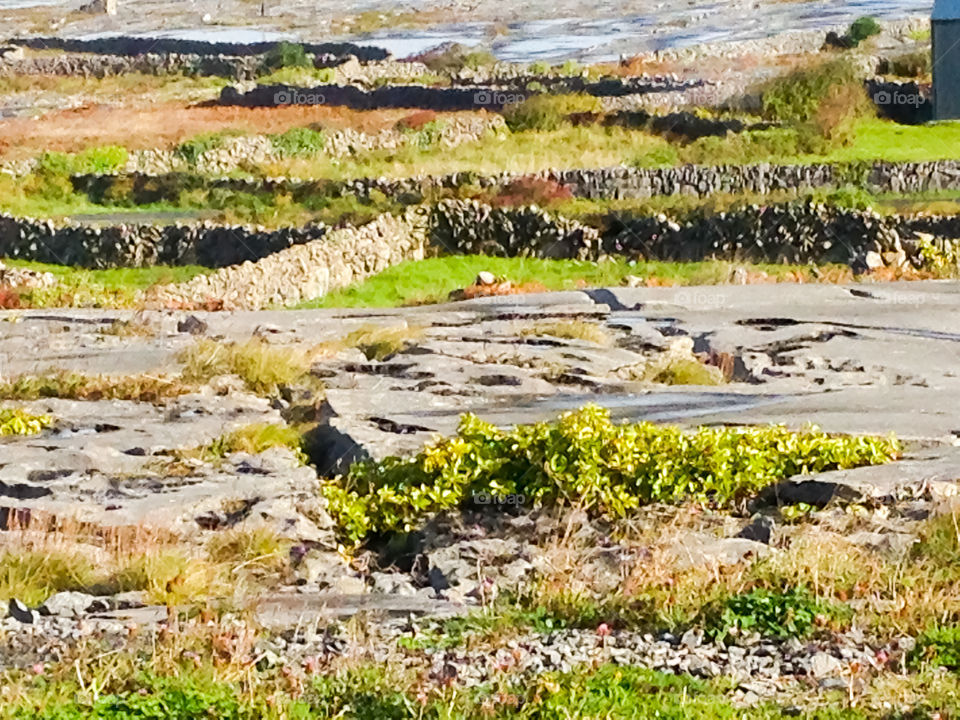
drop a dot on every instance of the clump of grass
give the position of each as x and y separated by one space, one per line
669 369
572 330
254 439
172 576
14 421
375 342
585 460
128 328
263 367
77 386
258 548
32 575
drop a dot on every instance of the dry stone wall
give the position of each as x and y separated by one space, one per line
597 183
310 270
145 245
88 65
133 46
794 233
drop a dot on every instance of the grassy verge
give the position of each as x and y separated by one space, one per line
432 280
119 287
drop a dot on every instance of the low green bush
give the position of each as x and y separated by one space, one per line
548 112
585 459
298 142
105 160
191 150
792 613
938 646
796 96
861 29
19 422
286 54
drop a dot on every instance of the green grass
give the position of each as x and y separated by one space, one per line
885 140
118 287
371 692
433 279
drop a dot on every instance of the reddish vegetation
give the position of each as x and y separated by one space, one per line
9 298
501 288
417 120
531 191
140 127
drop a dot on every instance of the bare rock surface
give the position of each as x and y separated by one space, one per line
869 358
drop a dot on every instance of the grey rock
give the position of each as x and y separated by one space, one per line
824 665
68 604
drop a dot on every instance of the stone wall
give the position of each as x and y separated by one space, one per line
599 183
89 65
792 233
476 96
132 46
306 271
145 245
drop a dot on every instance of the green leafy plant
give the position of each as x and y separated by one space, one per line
585 459
548 112
19 422
298 142
938 646
792 613
861 29
284 55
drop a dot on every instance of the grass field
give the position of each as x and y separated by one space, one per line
120 287
432 280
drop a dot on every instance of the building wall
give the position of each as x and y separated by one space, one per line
946 69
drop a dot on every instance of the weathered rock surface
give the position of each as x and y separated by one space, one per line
874 358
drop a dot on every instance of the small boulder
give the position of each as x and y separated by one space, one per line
485 278
68 604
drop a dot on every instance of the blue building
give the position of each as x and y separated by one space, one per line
945 35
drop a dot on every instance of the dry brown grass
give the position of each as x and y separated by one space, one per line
140 126
43 555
